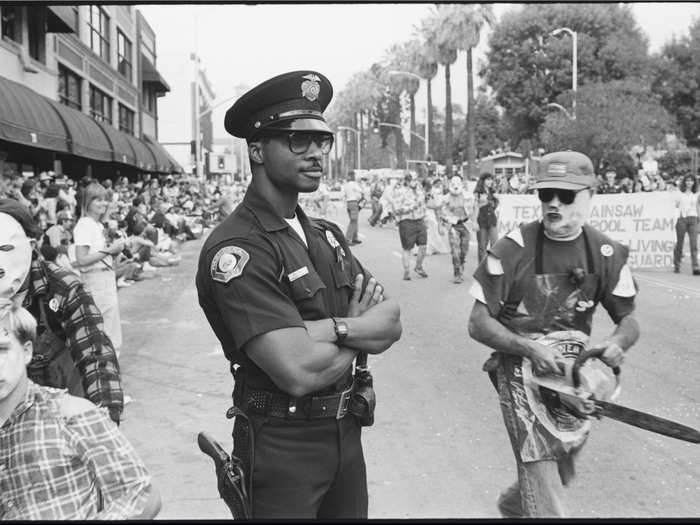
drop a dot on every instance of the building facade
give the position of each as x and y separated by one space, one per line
79 92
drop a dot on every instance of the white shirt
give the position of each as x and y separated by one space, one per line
353 191
296 226
687 203
88 232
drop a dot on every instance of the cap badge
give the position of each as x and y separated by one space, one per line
556 168
228 263
310 87
334 242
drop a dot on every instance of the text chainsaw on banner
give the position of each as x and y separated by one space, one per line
645 222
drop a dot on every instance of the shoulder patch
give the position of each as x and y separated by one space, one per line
228 263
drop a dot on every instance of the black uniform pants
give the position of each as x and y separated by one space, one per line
308 469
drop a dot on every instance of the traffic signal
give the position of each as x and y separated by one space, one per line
221 163
375 125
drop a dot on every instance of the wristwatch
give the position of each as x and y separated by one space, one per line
341 330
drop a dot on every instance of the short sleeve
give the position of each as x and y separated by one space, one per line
252 302
620 288
495 275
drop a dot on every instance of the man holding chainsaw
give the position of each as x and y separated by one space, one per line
535 294
293 309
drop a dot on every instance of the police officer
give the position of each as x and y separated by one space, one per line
536 291
292 308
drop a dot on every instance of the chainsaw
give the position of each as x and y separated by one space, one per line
586 393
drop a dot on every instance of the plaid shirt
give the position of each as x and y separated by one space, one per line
72 316
57 468
409 203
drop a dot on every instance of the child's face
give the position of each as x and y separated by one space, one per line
14 358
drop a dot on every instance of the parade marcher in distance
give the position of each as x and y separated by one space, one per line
535 295
292 307
485 204
457 208
687 203
409 209
353 195
62 458
72 350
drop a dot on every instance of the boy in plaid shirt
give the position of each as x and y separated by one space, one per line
60 456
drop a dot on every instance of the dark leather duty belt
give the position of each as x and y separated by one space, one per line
276 404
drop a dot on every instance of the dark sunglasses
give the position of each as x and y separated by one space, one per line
564 196
299 142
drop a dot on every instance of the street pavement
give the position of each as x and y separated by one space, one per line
438 448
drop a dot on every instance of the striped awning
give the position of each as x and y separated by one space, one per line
28 118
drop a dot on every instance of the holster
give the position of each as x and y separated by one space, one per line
243 453
364 400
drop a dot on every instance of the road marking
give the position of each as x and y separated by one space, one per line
665 284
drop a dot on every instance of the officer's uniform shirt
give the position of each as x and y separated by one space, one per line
510 263
270 280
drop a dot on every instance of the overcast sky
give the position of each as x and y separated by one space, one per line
245 45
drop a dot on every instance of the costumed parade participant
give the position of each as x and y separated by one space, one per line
535 294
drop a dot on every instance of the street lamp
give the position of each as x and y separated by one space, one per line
574 63
426 140
561 108
357 134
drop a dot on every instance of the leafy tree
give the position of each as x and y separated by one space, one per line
677 79
528 68
610 119
489 129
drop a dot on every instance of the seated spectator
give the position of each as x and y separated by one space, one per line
81 465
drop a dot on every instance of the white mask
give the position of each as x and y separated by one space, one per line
456 186
15 256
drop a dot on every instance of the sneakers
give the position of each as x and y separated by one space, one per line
420 271
458 279
406 276
122 283
148 268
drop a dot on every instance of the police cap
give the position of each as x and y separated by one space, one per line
292 101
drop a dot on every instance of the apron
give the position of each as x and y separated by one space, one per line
556 310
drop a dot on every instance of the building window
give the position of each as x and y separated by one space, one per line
100 105
124 55
36 33
99 31
11 23
126 120
69 92
149 98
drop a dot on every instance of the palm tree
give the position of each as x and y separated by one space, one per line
463 25
444 50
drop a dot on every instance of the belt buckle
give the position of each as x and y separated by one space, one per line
344 402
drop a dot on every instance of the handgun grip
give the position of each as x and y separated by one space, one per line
211 448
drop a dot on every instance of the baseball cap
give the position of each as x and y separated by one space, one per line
566 170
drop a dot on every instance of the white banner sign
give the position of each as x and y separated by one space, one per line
643 221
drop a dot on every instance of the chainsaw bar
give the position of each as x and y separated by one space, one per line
646 421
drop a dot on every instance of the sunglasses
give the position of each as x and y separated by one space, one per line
299 142
564 196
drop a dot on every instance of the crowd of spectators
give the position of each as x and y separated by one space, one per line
151 217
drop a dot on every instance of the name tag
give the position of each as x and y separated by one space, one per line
301 272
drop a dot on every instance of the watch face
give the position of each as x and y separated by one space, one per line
341 329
